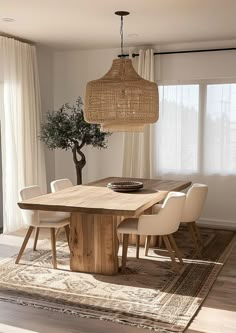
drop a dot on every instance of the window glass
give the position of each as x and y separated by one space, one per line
220 129
176 132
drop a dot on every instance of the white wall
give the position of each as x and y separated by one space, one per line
73 69
196 66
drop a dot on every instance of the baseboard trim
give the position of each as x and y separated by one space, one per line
217 224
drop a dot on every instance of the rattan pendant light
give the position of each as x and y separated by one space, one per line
121 100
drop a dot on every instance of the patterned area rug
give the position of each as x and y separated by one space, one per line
150 295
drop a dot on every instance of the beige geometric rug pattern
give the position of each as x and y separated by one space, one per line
149 295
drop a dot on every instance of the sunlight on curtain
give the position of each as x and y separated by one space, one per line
220 129
176 132
137 154
23 162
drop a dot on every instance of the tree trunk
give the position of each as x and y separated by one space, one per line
79 164
78 174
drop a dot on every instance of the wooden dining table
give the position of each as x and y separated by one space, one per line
95 212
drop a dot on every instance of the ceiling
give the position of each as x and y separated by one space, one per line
77 24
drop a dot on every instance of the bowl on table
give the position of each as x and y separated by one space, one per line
125 186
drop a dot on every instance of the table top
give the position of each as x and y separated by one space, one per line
96 198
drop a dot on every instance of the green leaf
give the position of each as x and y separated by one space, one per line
66 126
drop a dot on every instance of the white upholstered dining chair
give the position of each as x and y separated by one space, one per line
36 220
60 184
164 224
194 203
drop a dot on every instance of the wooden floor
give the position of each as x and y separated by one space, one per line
217 314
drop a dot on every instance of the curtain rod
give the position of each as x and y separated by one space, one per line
184 51
19 39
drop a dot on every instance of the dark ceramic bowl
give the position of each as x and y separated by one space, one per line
125 186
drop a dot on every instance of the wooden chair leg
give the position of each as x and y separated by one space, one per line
168 246
194 238
160 241
147 245
137 246
53 242
36 238
197 233
67 230
175 248
58 233
23 246
124 251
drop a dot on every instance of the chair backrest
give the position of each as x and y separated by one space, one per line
194 203
60 184
31 217
167 220
30 192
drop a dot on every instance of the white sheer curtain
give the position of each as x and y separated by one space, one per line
137 157
176 134
23 162
220 129
194 136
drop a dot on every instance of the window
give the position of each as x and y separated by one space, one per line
220 129
196 131
177 129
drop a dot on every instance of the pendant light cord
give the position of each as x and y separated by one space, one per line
121 13
121 37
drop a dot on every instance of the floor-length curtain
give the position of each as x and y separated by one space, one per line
23 161
137 157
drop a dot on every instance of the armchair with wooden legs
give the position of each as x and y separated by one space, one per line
42 219
58 185
194 203
164 224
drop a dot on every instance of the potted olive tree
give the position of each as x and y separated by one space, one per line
66 129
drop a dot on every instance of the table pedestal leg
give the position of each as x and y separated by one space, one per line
93 243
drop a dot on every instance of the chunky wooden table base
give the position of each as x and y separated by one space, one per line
94 243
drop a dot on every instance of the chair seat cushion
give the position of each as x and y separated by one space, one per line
128 226
46 216
54 224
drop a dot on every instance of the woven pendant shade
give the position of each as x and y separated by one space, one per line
121 100
116 127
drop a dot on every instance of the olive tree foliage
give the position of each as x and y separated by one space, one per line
66 129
